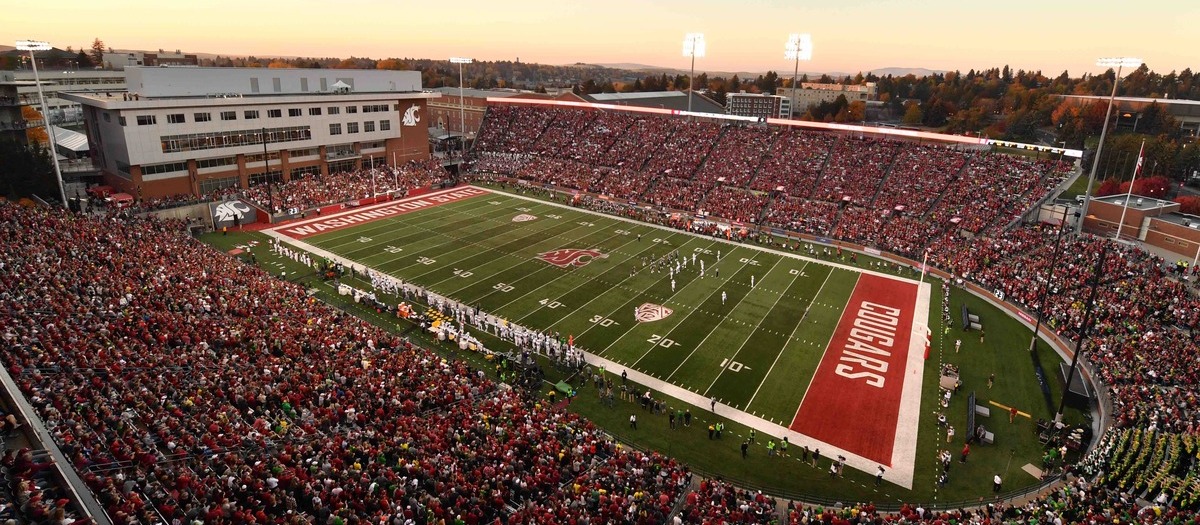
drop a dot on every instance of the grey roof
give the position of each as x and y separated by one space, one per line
72 140
1137 202
477 93
677 100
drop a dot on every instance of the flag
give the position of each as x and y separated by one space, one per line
1138 169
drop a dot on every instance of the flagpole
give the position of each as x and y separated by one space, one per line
1137 167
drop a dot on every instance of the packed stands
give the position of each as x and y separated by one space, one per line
802 215
736 156
679 194
794 162
187 385
735 204
310 192
856 168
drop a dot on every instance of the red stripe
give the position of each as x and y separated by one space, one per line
853 402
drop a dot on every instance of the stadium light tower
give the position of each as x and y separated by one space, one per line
31 46
1119 63
462 119
797 48
693 46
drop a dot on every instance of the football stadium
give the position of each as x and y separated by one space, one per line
594 313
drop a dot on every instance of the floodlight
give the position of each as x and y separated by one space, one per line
460 60
1121 62
693 45
33 45
798 47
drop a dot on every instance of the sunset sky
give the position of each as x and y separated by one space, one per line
742 35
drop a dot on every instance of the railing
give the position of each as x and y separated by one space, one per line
77 165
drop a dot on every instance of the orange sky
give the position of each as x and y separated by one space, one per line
742 35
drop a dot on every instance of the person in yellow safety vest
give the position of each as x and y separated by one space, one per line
770 447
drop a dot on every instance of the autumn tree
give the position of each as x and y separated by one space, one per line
98 51
36 132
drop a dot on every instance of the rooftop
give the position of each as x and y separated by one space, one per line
1137 202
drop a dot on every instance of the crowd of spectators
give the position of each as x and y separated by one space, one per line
856 168
735 204
187 386
794 162
736 155
316 190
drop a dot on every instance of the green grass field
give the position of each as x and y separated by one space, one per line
755 352
747 350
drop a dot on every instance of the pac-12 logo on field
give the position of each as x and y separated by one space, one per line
570 257
650 312
524 217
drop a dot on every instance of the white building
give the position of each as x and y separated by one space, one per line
55 82
195 130
810 94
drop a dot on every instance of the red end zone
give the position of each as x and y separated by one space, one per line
853 402
357 216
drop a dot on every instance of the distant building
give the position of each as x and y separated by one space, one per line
673 100
139 58
59 81
1153 221
196 130
12 122
755 105
1129 110
810 94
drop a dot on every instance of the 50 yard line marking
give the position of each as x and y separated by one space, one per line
632 258
785 344
756 327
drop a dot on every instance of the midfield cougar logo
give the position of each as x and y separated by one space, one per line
228 211
524 217
411 118
650 312
570 257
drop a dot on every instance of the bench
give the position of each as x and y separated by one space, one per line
983 411
973 318
976 326
989 438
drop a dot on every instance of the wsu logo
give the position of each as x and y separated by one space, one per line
228 211
524 217
570 257
650 312
411 118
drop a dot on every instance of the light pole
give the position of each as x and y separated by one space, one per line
462 119
798 47
1061 150
1120 62
693 46
31 46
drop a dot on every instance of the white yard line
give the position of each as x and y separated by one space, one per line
755 330
719 323
791 337
849 296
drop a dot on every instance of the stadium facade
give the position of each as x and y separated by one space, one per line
196 130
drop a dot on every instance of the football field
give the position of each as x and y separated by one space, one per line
830 356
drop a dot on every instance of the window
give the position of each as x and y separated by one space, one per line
315 112
308 152
175 118
334 110
351 127
293 112
274 113
368 126
212 185
335 129
385 125
300 173
251 114
228 115
202 117
216 163
155 169
351 109
274 177
107 117
121 120
225 139
375 108
146 120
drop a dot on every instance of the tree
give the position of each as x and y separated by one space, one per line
1189 204
98 51
84 60
25 171
36 132
913 114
